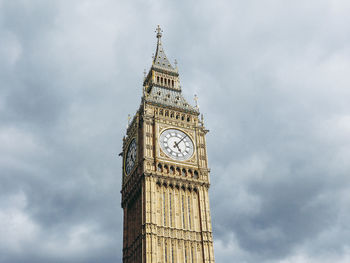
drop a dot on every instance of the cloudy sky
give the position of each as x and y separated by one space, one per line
272 78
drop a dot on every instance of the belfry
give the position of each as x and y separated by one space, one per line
165 174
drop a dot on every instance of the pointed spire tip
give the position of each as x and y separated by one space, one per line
159 32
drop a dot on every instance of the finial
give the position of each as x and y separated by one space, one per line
144 73
129 118
159 32
175 63
196 100
202 119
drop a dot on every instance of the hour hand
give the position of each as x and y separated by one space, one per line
177 146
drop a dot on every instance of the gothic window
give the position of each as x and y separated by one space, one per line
172 83
188 119
183 172
195 174
161 112
167 113
157 79
170 211
172 254
161 80
159 167
182 117
183 211
164 210
189 212
172 115
190 173
172 170
178 171
166 169
177 115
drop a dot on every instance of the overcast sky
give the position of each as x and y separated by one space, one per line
273 81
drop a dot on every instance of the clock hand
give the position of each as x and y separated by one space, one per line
177 144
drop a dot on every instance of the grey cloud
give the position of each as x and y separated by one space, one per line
272 82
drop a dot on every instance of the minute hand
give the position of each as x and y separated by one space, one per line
180 141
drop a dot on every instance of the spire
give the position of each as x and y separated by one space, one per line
161 85
160 60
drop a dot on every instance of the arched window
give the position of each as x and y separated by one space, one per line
183 172
161 80
172 170
178 171
172 83
159 167
190 172
157 79
195 174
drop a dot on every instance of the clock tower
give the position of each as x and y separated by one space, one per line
165 174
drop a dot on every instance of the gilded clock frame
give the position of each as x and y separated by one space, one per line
191 135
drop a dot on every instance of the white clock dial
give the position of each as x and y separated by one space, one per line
130 157
176 144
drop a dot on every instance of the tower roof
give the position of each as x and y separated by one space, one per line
160 60
161 85
169 98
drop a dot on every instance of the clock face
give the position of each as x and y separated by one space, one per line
176 144
130 159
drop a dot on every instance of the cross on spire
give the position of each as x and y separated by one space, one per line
159 32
